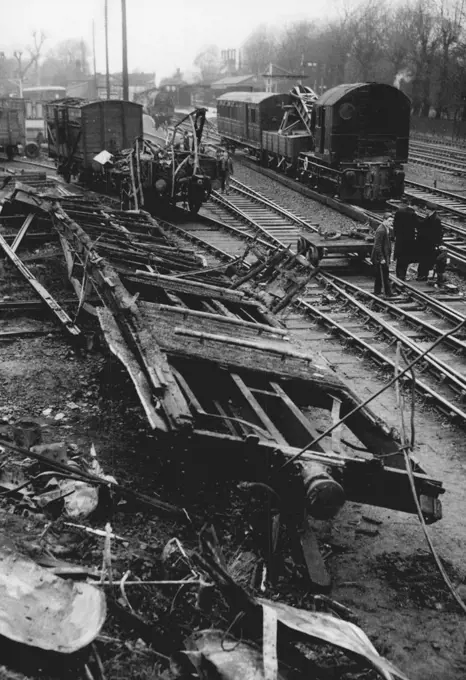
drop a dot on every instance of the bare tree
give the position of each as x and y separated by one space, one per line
66 62
424 40
397 42
208 62
259 49
449 33
295 45
34 56
339 36
369 39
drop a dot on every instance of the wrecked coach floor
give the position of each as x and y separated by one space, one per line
120 441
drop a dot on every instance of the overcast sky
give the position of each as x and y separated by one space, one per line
162 34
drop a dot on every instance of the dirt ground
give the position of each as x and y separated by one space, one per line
381 567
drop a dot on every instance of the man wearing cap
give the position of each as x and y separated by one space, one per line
380 257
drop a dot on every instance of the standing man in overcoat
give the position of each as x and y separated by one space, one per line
380 257
404 228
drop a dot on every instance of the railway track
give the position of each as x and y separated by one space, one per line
432 160
245 224
345 308
439 151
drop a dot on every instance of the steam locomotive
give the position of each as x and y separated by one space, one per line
351 142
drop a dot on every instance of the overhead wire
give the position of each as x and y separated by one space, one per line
409 469
391 382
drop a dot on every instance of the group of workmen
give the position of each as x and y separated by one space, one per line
416 240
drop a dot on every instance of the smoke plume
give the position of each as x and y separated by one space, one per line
402 75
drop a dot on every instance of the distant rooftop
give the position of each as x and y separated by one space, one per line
45 88
274 71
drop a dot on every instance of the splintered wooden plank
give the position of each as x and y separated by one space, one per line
53 305
313 557
120 349
193 318
297 414
22 232
258 410
179 285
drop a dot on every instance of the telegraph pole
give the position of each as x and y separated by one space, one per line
125 52
106 50
94 58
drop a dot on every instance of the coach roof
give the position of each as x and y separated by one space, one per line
248 97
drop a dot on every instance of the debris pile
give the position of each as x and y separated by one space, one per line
220 381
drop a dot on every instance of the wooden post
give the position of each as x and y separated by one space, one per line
94 59
107 71
125 52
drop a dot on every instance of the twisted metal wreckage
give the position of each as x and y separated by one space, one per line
215 370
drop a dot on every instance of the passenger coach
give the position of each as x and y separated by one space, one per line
243 116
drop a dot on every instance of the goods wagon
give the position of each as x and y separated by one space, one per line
78 131
12 126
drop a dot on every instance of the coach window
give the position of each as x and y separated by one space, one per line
253 115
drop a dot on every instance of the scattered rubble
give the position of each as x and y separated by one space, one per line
217 377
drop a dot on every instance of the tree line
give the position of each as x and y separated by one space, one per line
66 62
419 46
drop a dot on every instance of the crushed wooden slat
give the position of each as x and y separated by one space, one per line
119 348
53 305
22 232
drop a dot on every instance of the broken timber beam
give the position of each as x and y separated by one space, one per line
53 305
21 233
134 329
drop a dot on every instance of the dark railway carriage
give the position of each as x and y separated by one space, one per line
243 116
79 130
352 141
361 140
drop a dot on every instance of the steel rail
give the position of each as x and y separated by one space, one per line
437 366
454 380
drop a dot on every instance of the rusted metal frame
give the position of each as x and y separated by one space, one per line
279 210
438 367
53 305
445 406
455 342
365 481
